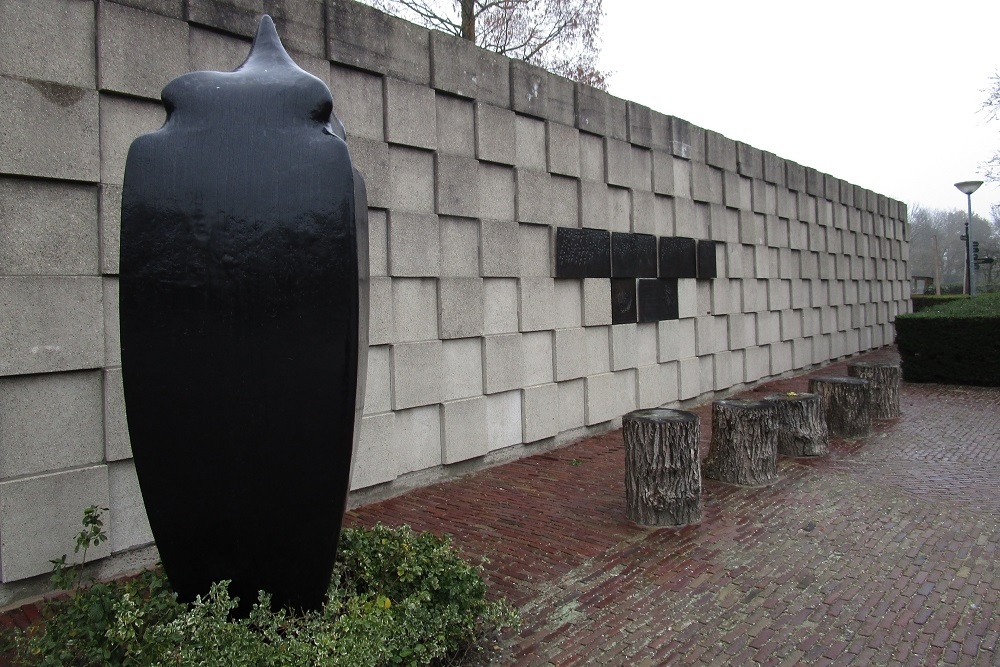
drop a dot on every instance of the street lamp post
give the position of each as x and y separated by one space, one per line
967 188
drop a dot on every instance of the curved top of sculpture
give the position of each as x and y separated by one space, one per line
296 94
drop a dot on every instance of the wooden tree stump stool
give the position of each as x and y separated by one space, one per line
744 446
883 382
801 424
847 405
662 477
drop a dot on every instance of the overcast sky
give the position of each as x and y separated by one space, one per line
883 93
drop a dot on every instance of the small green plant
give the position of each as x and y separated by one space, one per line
398 598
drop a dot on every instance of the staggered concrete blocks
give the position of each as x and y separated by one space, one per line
378 386
572 404
357 35
461 368
415 374
381 320
594 204
411 179
460 307
533 201
109 213
623 346
568 301
640 124
539 360
570 352
410 114
459 247
536 303
562 149
675 339
463 429
414 246
376 458
689 378
238 18
139 52
503 363
117 444
756 363
460 68
128 513
596 302
40 516
503 420
112 333
529 89
453 194
500 248
371 158
602 398
31 109
48 228
591 109
564 201
597 350
540 412
122 120
497 192
48 40
455 126
495 132
414 309
500 312
353 91
720 151
418 438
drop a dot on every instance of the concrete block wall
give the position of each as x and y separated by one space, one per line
478 351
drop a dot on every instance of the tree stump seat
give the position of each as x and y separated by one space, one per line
883 382
744 448
662 476
846 405
802 427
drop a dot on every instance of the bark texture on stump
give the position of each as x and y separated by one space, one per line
744 446
801 424
883 383
662 477
847 405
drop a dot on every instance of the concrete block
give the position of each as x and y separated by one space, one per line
496 192
800 294
711 334
675 339
460 68
540 412
539 363
50 421
40 515
791 324
500 248
598 350
533 202
726 368
732 190
561 105
720 151
592 158
122 120
414 309
742 330
687 141
562 149
570 353
31 148
376 459
640 125
456 133
51 324
641 169
787 203
643 212
619 209
795 176
529 89
503 420
536 303
749 161
416 374
619 162
686 218
572 404
746 193
596 302
117 445
756 363
821 349
568 300
768 328
238 17
774 169
378 243
461 368
530 143
408 48
109 213
453 196
628 399
209 50
460 302
501 305
603 402
378 387
139 52
703 290
358 35
459 247
411 179
594 205
463 429
660 132
503 363
48 40
130 527
724 224
564 201
353 94
371 158
112 335
536 251
418 434
414 249
687 298
663 173
410 114
779 294
47 228
734 267
646 344
689 374
781 357
381 319
592 109
495 126
623 346
663 216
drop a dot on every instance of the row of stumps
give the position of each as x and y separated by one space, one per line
662 467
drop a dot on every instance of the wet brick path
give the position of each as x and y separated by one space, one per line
883 553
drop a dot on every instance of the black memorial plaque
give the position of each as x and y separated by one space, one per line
678 257
706 259
623 302
657 299
633 255
583 253
243 301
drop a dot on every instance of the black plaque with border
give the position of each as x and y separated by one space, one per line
678 257
633 255
582 252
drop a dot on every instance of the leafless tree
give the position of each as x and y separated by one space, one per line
992 108
562 36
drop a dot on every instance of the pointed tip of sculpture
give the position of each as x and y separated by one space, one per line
267 47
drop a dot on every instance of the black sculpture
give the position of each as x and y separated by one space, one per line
244 306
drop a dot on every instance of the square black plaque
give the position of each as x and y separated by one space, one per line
623 301
706 259
633 255
583 253
657 299
678 257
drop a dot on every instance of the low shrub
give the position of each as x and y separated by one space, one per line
954 343
397 598
925 301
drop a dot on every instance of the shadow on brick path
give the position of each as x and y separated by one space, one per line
883 553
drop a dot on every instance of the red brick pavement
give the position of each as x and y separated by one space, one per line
884 552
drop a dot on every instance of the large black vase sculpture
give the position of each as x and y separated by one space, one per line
244 305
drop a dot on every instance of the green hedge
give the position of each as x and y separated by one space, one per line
925 301
952 343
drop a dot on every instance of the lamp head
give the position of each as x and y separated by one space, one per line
968 187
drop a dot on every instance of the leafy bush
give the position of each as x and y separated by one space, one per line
925 301
397 598
952 343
